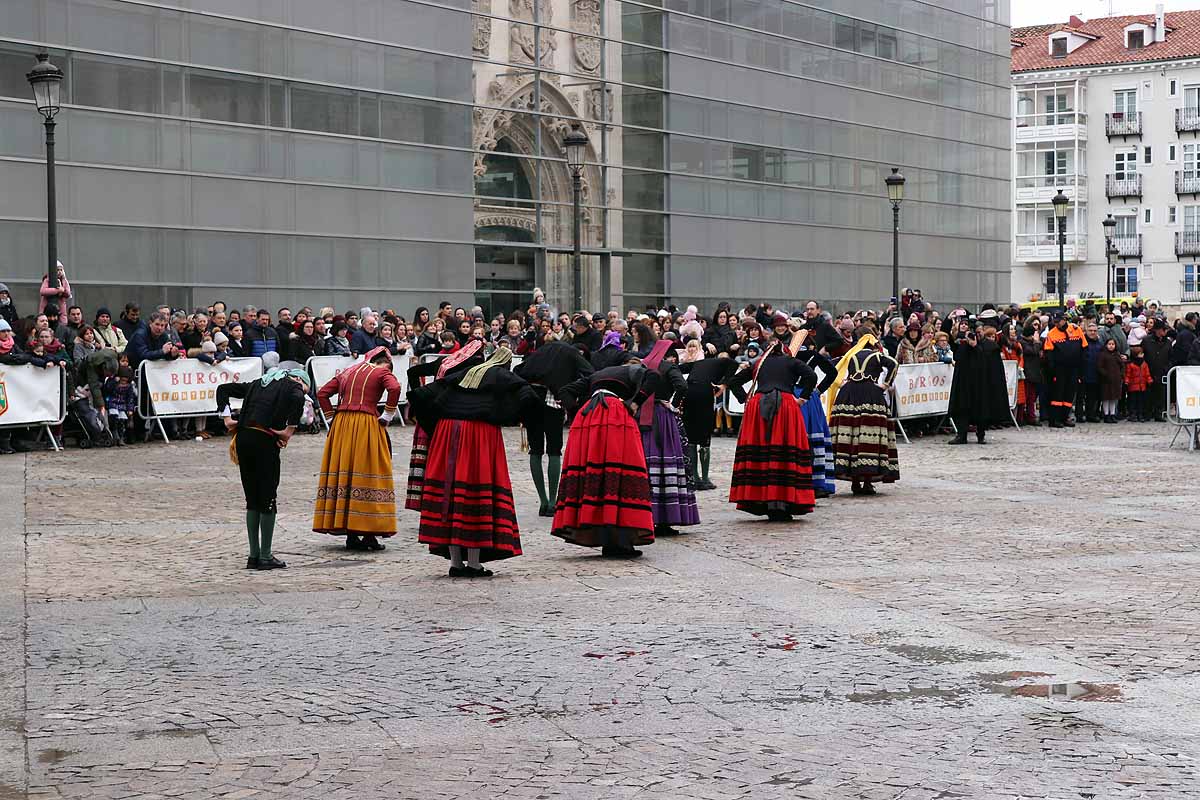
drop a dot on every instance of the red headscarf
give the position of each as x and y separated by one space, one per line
459 356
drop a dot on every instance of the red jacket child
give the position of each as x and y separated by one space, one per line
1137 376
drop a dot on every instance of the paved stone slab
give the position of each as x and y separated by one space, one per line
990 627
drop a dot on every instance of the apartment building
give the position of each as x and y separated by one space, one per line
1108 111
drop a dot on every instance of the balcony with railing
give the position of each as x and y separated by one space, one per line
1187 182
1032 247
1187 120
1123 125
1187 243
1126 185
1189 291
1058 126
1129 245
1041 188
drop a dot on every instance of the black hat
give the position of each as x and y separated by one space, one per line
51 310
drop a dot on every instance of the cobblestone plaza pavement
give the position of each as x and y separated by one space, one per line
1012 621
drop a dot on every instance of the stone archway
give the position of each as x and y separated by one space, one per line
509 120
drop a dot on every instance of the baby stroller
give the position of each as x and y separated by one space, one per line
84 425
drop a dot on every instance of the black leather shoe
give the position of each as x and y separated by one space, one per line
270 563
459 572
958 440
371 543
355 543
546 512
476 572
251 563
617 552
1068 424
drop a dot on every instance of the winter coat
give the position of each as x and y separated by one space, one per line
1185 337
1137 332
1091 355
922 352
1116 333
1158 354
721 337
52 294
1137 376
1111 374
1031 348
979 393
111 337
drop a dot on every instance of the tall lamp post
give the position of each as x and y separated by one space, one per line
1061 202
1110 225
895 190
575 144
46 80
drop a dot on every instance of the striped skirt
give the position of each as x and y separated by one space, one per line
467 498
864 435
821 444
416 468
772 468
673 501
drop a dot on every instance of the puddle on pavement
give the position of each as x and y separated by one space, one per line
54 755
1081 692
905 695
929 654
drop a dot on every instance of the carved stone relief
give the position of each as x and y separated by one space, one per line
585 16
481 27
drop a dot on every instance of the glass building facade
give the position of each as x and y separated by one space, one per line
400 152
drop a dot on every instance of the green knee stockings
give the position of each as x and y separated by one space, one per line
705 460
260 530
553 471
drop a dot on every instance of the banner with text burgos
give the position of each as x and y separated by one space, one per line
31 395
1010 381
187 387
923 390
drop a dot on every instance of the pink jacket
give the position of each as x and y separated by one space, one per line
48 292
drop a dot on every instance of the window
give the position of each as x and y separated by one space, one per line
228 99
1126 280
1190 278
1058 47
1055 163
1172 215
1191 220
1191 97
1125 102
1057 102
1146 216
1191 161
1147 154
1135 40
1173 88
1171 154
1052 280
1126 165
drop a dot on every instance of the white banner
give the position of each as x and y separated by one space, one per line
923 390
323 369
1010 381
1187 393
31 395
187 387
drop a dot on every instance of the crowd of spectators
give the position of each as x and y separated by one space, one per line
1122 353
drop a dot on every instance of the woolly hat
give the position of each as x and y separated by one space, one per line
4 288
208 347
4 326
103 311
779 318
220 339
125 372
691 330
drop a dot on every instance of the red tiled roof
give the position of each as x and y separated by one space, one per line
1183 41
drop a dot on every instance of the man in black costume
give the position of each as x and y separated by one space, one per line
978 395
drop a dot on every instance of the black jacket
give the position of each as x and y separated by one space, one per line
978 392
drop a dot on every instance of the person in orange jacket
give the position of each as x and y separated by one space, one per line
1064 357
1137 381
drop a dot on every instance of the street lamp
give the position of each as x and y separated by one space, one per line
1061 202
895 190
1109 224
575 144
46 80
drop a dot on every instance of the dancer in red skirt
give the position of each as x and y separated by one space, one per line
467 499
468 356
604 497
772 467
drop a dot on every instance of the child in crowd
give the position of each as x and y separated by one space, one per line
1110 372
121 403
449 342
1137 381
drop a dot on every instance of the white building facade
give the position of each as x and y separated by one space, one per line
1120 138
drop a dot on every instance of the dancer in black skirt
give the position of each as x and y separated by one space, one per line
271 410
548 369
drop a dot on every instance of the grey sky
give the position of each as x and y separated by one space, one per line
1036 12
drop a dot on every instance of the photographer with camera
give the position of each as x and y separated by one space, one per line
978 393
